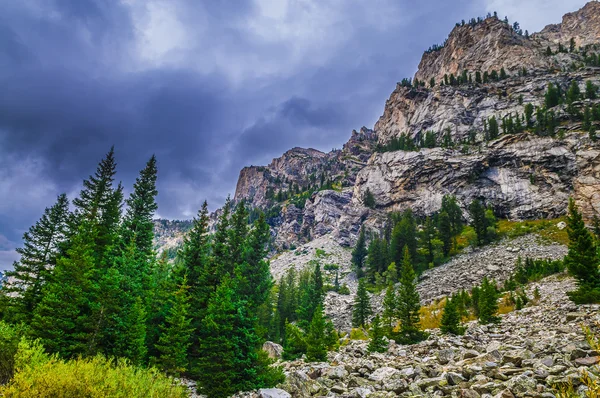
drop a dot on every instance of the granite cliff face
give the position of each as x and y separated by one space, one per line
522 176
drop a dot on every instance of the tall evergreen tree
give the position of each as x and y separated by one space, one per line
487 303
361 309
408 298
316 340
141 206
404 234
582 260
478 221
253 273
377 343
61 320
389 308
359 253
445 232
451 318
41 246
176 332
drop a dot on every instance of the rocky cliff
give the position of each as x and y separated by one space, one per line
526 175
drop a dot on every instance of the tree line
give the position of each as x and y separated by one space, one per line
89 282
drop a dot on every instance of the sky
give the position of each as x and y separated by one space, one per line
208 86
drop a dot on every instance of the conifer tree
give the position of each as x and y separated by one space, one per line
404 234
552 96
389 308
176 332
316 350
141 205
408 298
377 343
254 275
493 130
61 320
445 232
582 260
359 253
528 115
427 237
479 224
362 306
369 199
451 318
488 303
591 90
41 246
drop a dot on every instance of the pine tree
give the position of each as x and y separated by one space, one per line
404 234
369 199
176 332
41 246
377 343
61 320
362 306
141 205
582 260
488 303
254 275
445 232
493 130
451 318
408 298
528 115
591 90
316 350
389 308
552 97
479 224
359 253
427 237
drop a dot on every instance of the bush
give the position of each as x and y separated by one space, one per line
9 343
39 375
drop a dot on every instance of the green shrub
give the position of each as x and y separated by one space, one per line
40 375
9 342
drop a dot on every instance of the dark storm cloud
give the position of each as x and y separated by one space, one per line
208 86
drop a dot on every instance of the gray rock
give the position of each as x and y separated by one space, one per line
273 393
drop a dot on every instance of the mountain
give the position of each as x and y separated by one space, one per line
522 174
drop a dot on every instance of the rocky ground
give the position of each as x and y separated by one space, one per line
528 353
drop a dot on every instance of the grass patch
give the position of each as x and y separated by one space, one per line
547 229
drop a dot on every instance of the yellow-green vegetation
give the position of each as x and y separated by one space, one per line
590 378
358 334
506 305
547 229
431 315
40 375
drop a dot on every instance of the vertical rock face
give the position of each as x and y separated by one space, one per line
523 176
489 45
582 25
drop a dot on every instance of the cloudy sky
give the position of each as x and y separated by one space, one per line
208 86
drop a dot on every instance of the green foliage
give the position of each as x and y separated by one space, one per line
176 330
10 335
552 97
43 376
408 298
483 222
451 318
493 130
487 303
582 260
41 245
401 143
316 350
369 199
359 253
378 342
361 309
